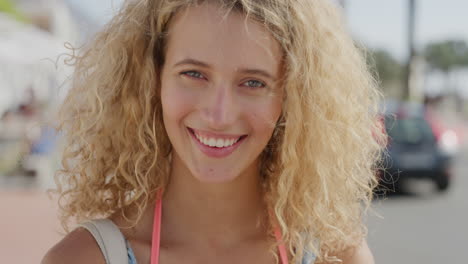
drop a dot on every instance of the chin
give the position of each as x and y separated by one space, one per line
212 176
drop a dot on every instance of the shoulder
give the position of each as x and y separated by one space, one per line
78 246
358 255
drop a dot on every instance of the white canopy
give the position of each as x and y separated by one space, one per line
28 60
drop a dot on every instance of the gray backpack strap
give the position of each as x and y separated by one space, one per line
110 240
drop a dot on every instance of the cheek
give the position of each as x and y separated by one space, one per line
176 103
264 118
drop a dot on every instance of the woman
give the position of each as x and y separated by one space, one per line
229 131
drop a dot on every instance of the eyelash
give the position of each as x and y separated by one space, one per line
258 84
261 84
191 73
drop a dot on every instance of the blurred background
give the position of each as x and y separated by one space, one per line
418 49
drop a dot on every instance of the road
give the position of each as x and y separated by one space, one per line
29 226
424 227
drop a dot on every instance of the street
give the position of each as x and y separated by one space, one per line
424 227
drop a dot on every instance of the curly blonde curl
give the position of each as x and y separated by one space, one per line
319 167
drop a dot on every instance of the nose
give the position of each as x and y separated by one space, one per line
220 108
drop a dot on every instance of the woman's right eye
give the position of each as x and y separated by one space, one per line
193 74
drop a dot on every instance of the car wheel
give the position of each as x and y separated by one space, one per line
442 182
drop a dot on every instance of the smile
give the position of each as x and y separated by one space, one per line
216 145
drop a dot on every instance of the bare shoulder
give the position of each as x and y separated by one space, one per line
78 246
358 255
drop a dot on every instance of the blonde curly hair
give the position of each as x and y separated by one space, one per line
319 167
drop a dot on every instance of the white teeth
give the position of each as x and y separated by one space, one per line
219 143
213 142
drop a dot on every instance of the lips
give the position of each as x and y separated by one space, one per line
216 145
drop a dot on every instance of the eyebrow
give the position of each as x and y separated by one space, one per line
190 61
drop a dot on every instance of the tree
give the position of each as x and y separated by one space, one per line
387 68
6 6
447 55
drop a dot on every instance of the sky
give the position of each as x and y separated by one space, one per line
382 23
375 23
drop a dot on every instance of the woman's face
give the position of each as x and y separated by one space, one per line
220 93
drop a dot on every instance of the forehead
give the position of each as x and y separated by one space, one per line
207 32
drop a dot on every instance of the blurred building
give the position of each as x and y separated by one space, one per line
54 16
37 68
455 82
33 79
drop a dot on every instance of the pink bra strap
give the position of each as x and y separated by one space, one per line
281 247
156 241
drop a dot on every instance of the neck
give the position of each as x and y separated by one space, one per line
220 214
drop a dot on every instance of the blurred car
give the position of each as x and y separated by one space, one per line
413 151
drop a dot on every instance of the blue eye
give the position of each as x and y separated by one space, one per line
193 74
254 84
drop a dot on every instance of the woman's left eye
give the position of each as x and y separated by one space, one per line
254 84
193 74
